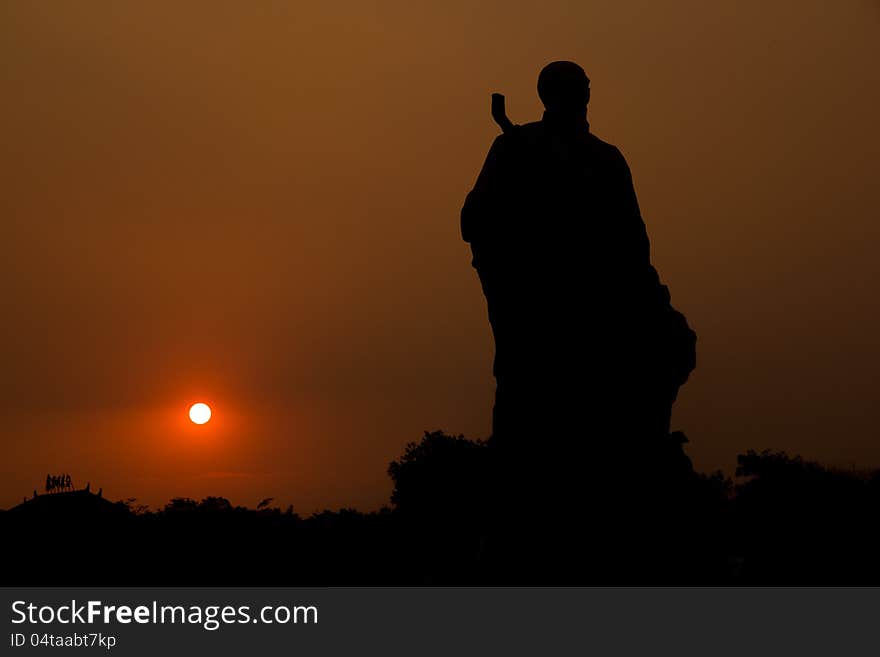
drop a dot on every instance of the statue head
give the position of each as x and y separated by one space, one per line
564 88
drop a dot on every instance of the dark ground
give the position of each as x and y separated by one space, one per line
784 521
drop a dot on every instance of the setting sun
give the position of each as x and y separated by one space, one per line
200 413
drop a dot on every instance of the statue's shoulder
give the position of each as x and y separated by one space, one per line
604 148
524 140
518 140
530 133
534 128
536 132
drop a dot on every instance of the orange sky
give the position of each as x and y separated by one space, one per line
256 205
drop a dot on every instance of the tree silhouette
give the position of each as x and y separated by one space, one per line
786 521
439 476
441 496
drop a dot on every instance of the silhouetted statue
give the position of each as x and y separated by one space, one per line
589 353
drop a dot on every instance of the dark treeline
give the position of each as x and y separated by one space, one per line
784 521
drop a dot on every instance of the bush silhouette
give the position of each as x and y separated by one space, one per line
786 521
440 498
798 521
439 476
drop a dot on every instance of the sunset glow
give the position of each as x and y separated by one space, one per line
294 255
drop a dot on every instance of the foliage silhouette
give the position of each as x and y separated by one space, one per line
439 476
786 521
440 498
797 521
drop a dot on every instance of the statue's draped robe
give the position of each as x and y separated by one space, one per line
589 353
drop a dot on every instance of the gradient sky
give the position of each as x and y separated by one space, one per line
256 205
